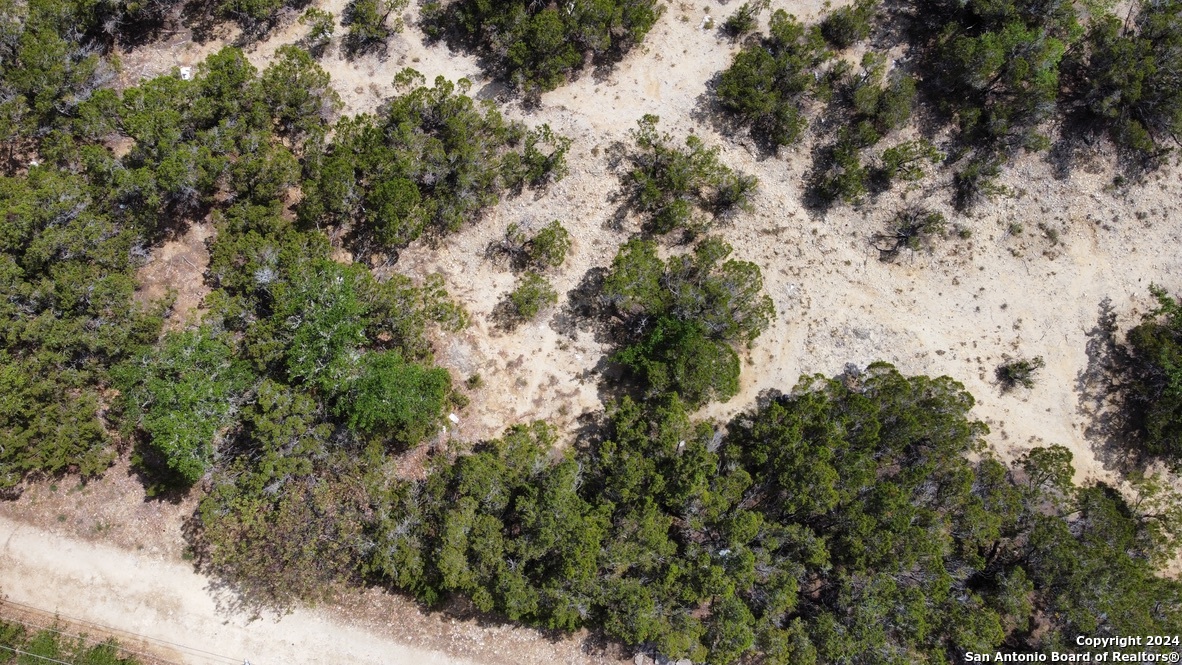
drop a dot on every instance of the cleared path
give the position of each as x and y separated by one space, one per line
175 608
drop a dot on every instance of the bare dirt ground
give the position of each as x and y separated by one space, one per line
177 267
114 510
103 552
171 607
1030 280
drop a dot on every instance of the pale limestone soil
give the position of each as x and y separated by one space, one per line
956 310
109 525
167 602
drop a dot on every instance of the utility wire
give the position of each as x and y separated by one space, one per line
26 653
85 638
111 629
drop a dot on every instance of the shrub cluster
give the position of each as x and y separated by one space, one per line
769 82
537 46
545 251
18 645
432 160
78 225
682 317
997 72
669 184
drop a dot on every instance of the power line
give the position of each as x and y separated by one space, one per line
26 653
112 629
117 631
84 638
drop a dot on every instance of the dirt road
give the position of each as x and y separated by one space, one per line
175 608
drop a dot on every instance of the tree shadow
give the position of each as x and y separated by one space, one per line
1083 136
1077 141
583 309
708 110
815 198
505 317
230 597
139 31
150 468
1110 430
896 21
354 47
586 311
202 21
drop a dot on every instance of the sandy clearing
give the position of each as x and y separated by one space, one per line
1028 281
178 265
957 310
168 602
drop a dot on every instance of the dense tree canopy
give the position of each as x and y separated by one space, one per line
282 517
1154 386
356 343
66 315
833 524
433 160
1000 77
537 46
228 143
182 394
681 318
1130 75
857 519
52 63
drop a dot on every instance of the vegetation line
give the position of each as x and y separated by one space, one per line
27 653
113 632
841 520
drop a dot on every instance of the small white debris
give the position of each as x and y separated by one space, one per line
705 20
454 418
34 162
186 73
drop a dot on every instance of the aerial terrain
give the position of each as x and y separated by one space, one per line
601 331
